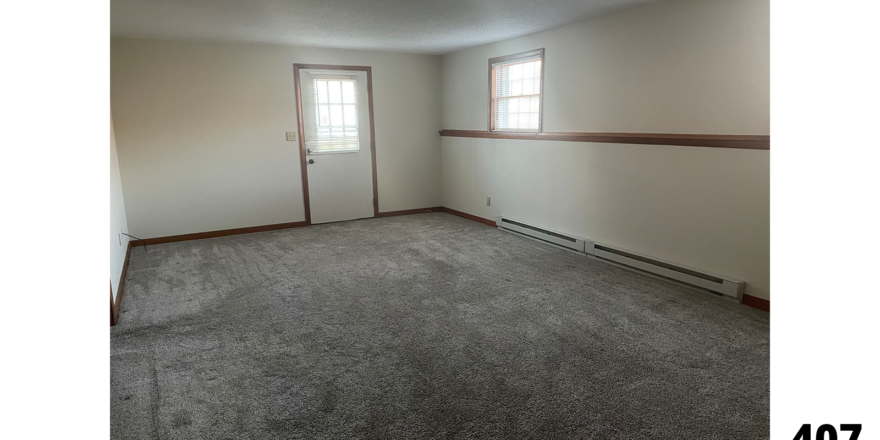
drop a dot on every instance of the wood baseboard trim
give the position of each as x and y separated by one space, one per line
743 142
752 301
758 303
409 212
471 217
112 307
120 290
221 233
265 228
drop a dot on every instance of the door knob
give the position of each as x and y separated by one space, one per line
311 161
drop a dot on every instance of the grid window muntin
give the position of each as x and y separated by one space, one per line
336 108
516 83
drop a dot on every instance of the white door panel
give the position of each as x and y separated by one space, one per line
341 183
340 186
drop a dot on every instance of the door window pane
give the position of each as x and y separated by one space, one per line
335 89
321 91
348 92
335 115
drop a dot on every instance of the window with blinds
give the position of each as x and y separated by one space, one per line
516 92
330 113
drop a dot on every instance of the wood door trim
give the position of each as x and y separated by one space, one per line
372 141
301 129
307 207
745 142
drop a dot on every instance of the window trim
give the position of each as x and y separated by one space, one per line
536 53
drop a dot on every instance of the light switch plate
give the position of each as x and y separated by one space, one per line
291 136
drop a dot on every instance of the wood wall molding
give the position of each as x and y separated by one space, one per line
302 141
758 303
744 142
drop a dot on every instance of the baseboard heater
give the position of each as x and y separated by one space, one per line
726 286
542 234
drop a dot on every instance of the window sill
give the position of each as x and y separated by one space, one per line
516 131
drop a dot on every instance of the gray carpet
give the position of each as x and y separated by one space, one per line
424 326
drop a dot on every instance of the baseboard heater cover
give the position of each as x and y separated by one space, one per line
543 234
726 286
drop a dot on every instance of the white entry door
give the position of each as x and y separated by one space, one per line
336 134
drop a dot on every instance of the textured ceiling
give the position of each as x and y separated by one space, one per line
425 26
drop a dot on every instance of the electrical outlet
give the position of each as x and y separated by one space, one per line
291 136
488 201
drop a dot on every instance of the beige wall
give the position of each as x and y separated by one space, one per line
692 66
201 132
676 66
118 222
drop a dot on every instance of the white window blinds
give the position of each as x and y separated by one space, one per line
517 95
330 113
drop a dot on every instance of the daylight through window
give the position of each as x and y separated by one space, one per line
517 94
334 125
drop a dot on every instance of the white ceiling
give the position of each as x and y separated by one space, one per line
422 26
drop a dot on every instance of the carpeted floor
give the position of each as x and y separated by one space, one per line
424 326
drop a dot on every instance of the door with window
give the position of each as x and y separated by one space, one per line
336 140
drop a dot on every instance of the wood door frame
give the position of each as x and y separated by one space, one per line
302 142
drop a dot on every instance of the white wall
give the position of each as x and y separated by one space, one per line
676 66
118 222
201 132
